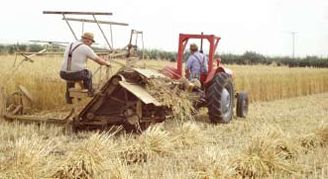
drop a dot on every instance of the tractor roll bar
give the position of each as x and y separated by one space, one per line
183 40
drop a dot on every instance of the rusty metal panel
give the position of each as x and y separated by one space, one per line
149 73
140 92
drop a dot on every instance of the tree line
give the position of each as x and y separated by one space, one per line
10 49
248 58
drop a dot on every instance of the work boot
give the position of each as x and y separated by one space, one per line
69 100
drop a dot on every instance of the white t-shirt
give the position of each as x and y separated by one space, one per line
79 57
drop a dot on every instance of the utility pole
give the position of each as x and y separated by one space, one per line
293 41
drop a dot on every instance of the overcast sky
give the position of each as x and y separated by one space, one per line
262 26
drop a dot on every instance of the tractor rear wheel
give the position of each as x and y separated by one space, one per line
220 98
242 104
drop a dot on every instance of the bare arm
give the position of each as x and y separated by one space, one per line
102 61
92 55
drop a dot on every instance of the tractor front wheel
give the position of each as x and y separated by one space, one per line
220 98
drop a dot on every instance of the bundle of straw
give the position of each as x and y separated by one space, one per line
89 159
170 94
152 142
27 159
267 154
318 138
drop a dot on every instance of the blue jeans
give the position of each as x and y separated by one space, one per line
194 75
84 75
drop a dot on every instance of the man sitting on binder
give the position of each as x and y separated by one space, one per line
74 66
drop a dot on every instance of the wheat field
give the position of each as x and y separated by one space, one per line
284 136
263 83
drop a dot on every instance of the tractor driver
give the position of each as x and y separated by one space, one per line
74 68
197 64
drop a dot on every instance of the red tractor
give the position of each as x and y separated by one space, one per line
218 83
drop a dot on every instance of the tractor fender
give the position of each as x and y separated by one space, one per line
171 72
214 71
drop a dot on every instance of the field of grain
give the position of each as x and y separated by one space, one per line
263 83
284 136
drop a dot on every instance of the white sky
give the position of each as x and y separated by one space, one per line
262 26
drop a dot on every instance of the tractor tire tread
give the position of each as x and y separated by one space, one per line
214 94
